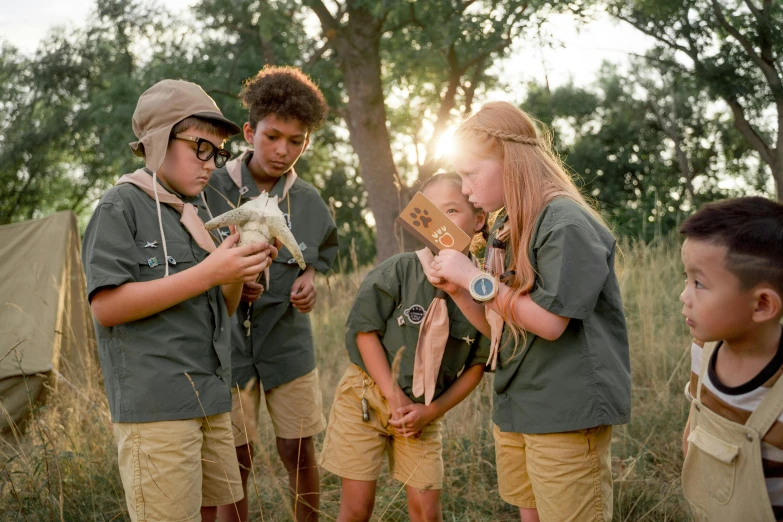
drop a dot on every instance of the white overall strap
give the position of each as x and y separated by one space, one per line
762 419
706 355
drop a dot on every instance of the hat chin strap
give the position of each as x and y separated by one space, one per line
160 222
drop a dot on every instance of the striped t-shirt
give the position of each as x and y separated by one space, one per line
737 403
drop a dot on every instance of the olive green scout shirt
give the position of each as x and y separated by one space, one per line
280 347
144 362
583 378
392 301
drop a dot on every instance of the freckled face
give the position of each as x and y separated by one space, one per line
482 180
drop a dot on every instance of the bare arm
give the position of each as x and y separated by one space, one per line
473 311
416 417
458 391
374 358
232 294
529 316
455 269
137 300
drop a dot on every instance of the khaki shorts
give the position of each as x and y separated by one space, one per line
169 469
296 409
354 449
566 476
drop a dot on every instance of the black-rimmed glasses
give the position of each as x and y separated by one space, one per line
205 149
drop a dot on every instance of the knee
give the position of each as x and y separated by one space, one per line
355 511
424 506
296 453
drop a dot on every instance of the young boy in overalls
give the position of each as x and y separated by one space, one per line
733 442
161 294
272 337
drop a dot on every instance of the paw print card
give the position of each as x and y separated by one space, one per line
431 226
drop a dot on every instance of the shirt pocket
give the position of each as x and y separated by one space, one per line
151 260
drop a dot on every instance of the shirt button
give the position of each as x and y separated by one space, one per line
749 437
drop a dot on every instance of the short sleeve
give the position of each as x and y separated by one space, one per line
375 301
572 265
109 250
480 352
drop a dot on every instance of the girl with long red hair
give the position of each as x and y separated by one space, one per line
551 295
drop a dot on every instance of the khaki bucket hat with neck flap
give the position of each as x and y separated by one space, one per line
160 108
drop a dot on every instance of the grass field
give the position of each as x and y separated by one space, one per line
64 467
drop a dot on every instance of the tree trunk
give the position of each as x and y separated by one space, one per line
358 46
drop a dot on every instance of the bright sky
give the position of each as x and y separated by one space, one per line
578 55
575 55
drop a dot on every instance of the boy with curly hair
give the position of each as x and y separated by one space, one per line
272 343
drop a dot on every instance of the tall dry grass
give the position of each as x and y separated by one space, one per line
64 466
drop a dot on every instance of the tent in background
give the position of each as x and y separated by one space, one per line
46 328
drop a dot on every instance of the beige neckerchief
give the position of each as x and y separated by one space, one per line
433 336
234 168
189 216
496 267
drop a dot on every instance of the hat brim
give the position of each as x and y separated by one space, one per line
235 129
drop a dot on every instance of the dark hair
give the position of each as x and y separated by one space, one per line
454 178
751 229
286 92
216 127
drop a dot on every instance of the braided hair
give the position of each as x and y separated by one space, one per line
507 136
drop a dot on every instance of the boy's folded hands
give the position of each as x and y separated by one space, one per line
412 419
399 405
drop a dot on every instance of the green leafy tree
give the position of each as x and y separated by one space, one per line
647 146
65 130
431 55
733 48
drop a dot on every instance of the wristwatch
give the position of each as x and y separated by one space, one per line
483 288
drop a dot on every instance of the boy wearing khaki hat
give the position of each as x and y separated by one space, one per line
162 294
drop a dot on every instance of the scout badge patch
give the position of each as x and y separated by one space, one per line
431 226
